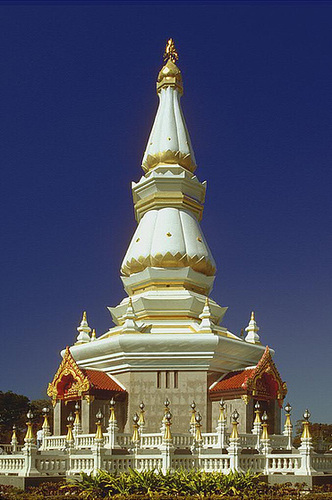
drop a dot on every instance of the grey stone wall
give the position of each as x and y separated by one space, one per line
153 389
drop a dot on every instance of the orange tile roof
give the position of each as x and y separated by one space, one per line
233 380
100 380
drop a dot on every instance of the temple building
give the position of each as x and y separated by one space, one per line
168 341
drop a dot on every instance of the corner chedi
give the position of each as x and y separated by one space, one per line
168 340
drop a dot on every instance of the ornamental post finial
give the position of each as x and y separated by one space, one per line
170 51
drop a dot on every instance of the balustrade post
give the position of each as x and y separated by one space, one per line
257 426
77 427
192 419
112 428
167 444
46 430
234 444
265 442
221 426
97 448
14 440
136 439
141 419
70 438
306 448
288 428
29 450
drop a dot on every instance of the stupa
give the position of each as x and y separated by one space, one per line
168 341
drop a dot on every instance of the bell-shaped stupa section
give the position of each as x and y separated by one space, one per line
169 201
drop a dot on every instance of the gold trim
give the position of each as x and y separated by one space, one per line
169 157
200 264
170 76
68 366
175 199
175 285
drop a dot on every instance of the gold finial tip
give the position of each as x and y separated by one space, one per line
170 51
84 316
93 332
252 315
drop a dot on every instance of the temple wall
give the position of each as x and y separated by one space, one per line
154 387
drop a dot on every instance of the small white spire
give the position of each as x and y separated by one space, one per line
83 331
252 330
206 324
130 324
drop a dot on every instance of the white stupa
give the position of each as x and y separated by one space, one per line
168 339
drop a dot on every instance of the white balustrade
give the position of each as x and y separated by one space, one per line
150 441
12 464
52 465
210 440
55 442
124 440
283 464
322 463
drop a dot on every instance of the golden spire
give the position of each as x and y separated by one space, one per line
141 420
168 423
252 316
306 430
198 432
70 437
193 414
14 436
235 423
84 316
112 412
93 334
29 437
170 51
257 413
265 434
135 439
99 433
221 411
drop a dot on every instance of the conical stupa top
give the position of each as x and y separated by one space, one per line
169 141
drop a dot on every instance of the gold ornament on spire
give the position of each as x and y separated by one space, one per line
170 51
170 75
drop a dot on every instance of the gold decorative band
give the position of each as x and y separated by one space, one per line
174 199
200 264
169 157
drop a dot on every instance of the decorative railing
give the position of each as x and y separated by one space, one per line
278 464
12 464
322 463
8 448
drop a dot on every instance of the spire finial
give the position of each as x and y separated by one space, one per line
93 334
252 330
170 51
83 330
206 325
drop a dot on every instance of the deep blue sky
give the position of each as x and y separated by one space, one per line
77 96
